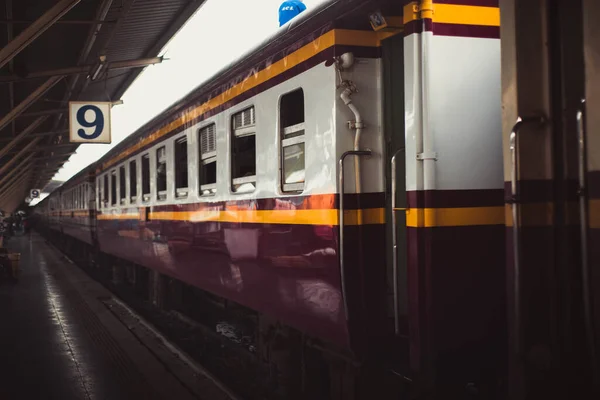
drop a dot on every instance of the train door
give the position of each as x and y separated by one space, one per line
550 320
393 120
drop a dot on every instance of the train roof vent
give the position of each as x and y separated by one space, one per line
208 140
244 118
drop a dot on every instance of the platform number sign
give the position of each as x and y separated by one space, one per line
89 122
34 194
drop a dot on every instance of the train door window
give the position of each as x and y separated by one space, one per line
122 185
105 191
146 177
132 181
291 126
208 160
181 167
161 173
113 187
243 158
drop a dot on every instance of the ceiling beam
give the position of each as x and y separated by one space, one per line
30 128
13 171
8 21
93 34
32 98
8 198
44 112
34 30
18 156
17 176
8 139
83 69
56 146
9 38
17 180
55 156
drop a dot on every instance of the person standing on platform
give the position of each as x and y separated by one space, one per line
290 9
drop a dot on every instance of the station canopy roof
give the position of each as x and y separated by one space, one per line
56 51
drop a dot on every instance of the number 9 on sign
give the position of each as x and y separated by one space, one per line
89 122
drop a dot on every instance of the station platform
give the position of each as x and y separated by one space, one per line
63 336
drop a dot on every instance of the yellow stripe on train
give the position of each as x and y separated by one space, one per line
454 14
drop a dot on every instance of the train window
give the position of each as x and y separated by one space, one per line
181 167
105 191
113 187
208 160
99 193
291 126
132 181
122 184
243 165
146 177
161 173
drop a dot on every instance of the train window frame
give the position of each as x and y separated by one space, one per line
122 184
290 135
244 131
161 195
133 186
113 188
181 192
206 158
146 196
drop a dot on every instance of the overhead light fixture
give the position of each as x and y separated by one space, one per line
98 68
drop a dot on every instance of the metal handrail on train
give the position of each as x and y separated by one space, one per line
583 224
514 160
395 242
356 153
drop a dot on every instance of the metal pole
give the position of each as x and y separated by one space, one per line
84 69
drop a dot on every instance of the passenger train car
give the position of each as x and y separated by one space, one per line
343 180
